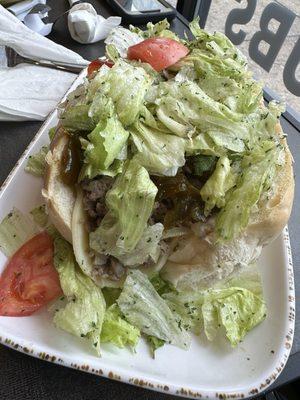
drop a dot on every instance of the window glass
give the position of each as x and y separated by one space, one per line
268 33
221 14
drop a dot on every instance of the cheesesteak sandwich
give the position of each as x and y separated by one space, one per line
167 175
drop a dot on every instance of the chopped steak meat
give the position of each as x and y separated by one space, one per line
111 269
94 192
94 199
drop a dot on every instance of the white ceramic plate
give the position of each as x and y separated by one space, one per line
207 370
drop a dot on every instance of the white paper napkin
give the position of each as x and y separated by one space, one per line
32 45
36 24
86 26
28 92
22 8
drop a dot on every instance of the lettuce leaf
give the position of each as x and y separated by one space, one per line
185 106
52 132
111 52
105 144
237 309
37 162
120 89
123 226
145 309
202 164
127 87
110 295
160 285
40 216
97 85
76 118
160 29
229 141
219 46
147 248
259 168
263 124
15 229
236 304
117 330
215 188
83 314
203 144
221 70
101 108
154 344
160 153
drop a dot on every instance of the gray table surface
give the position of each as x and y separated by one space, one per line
14 137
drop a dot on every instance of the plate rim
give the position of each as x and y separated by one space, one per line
154 384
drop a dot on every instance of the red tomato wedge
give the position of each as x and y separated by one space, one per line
30 279
159 52
97 64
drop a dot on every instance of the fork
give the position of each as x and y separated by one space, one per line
13 59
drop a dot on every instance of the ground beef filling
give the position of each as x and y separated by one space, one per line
94 192
178 203
110 268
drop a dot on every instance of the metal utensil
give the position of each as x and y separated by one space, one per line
42 9
13 59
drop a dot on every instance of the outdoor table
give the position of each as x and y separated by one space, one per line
23 377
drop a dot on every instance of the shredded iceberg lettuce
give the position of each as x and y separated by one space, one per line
159 152
127 87
117 330
235 304
76 118
105 144
160 29
184 107
259 168
216 187
145 309
238 310
37 162
218 45
123 225
154 344
15 229
83 314
40 216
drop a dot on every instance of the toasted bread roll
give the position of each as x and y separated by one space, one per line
60 198
199 261
82 251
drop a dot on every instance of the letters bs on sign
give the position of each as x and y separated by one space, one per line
275 40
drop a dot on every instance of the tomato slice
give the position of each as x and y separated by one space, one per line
30 279
159 52
95 65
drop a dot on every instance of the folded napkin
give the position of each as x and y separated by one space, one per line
29 92
30 44
86 26
22 8
36 24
